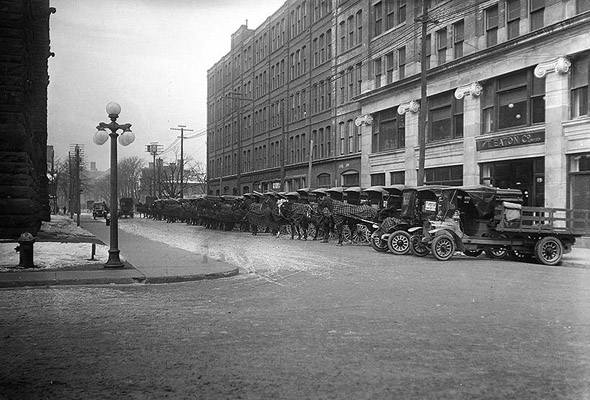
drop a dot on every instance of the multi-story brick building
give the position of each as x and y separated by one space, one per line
507 98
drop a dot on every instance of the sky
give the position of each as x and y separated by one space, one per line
151 57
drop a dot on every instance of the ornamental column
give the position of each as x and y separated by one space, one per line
556 111
411 155
471 129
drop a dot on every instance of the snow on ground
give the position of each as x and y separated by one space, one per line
260 254
52 255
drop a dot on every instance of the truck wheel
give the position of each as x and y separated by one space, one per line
377 243
496 252
472 253
418 248
399 243
549 250
443 247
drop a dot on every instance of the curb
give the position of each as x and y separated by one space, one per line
190 278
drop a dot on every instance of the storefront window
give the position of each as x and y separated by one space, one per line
378 179
397 178
452 176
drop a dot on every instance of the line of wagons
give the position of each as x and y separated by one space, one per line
437 220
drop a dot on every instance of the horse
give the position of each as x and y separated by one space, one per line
298 215
345 214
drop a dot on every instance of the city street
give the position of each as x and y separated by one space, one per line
304 320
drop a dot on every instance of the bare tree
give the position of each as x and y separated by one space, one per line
129 171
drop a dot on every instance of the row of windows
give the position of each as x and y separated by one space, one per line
388 14
350 83
350 137
394 64
351 31
321 48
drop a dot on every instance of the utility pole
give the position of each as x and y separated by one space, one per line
425 19
75 185
181 128
154 149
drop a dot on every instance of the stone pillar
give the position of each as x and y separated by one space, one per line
471 129
556 111
411 149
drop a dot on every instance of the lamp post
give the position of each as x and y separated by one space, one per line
126 137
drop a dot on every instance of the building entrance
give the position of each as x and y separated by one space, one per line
527 175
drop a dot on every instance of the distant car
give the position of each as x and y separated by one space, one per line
99 210
126 207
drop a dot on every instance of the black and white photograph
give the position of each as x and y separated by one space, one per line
295 199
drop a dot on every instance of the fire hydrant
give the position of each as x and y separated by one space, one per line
25 248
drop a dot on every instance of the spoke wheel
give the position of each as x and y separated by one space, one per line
549 250
497 252
418 248
399 242
443 247
377 243
473 253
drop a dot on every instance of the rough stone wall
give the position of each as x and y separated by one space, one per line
24 39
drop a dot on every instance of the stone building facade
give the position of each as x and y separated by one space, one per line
327 93
24 197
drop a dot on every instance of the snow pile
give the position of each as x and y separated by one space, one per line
52 255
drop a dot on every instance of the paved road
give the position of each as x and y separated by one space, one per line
315 322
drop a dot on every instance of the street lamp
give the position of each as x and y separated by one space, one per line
125 138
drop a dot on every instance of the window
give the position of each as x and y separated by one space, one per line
401 65
537 14
342 37
342 139
378 19
513 100
388 130
389 57
401 12
582 6
324 180
397 178
513 18
351 138
492 26
378 179
359 27
579 82
359 78
428 50
445 116
441 45
350 178
390 11
351 30
377 71
451 176
458 38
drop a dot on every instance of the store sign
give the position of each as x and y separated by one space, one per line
517 139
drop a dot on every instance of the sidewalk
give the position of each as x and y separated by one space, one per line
146 261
